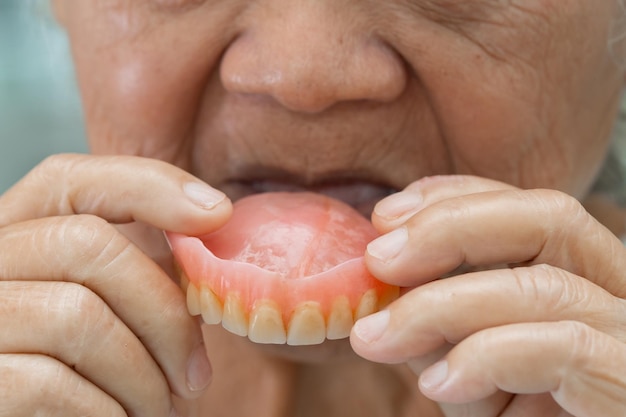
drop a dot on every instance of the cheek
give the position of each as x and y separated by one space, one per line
142 82
549 141
133 109
531 105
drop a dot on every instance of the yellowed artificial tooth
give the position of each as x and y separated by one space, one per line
210 306
367 305
389 296
307 326
266 324
340 320
184 281
193 300
234 320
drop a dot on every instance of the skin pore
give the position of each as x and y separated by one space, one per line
369 95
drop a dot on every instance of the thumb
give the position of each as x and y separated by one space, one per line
119 189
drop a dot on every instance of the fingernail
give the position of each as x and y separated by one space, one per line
371 328
388 246
396 206
199 370
435 376
174 413
202 195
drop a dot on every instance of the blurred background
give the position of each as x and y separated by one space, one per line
39 105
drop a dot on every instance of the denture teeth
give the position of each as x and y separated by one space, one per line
184 280
193 300
340 320
367 305
266 324
388 296
234 319
210 306
307 326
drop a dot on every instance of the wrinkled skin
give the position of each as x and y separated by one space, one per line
497 97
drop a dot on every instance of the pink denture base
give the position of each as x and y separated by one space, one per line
290 248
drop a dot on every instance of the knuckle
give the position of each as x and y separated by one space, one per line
529 282
556 198
554 292
81 313
562 205
456 210
93 241
552 288
53 377
583 342
32 383
53 167
84 302
84 229
48 168
55 163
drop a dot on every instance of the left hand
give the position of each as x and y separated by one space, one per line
537 329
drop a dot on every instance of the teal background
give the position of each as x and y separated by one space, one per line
40 110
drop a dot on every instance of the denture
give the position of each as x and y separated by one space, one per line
286 268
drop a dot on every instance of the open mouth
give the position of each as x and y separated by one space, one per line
288 267
362 196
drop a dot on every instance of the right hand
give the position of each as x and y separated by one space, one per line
89 324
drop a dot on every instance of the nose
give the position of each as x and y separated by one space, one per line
311 55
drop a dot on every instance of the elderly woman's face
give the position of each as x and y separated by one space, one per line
370 95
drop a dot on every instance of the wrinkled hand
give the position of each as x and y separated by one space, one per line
537 329
90 325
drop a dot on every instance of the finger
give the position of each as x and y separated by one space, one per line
500 227
393 211
582 368
88 251
119 189
435 314
71 323
418 363
34 385
490 407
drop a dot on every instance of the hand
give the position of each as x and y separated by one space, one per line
90 325
537 329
